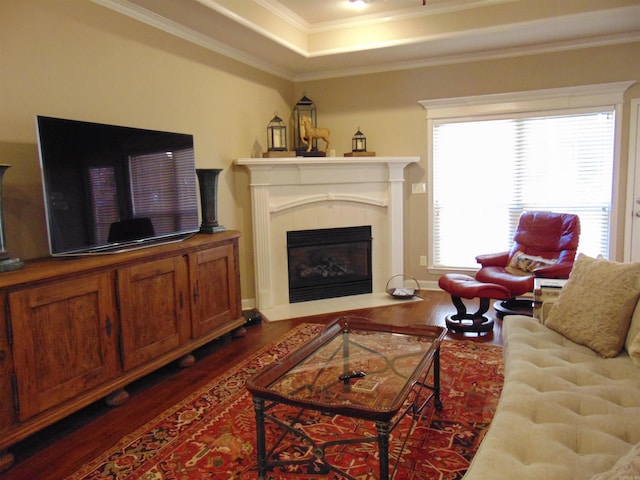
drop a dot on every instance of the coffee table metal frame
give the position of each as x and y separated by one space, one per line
317 387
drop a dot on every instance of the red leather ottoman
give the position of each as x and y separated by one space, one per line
461 286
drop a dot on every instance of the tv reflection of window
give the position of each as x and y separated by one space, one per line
156 191
158 188
104 202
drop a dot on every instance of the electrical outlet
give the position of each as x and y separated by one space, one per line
423 260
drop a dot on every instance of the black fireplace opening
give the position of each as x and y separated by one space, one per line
328 263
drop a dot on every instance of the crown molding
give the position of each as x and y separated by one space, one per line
366 20
472 57
588 29
162 23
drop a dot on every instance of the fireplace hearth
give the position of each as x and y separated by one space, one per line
328 263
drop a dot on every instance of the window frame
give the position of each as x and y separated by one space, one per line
565 100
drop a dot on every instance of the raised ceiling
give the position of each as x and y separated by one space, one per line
311 39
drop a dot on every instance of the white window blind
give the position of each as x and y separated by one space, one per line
156 190
104 201
486 172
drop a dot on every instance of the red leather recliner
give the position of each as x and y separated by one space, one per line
545 245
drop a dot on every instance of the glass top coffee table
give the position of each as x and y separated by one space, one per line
356 368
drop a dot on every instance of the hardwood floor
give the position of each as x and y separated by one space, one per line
59 450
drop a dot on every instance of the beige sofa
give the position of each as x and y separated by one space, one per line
570 406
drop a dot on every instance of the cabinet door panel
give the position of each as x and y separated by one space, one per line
154 312
215 292
64 340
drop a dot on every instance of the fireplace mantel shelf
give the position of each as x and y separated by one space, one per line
325 170
303 161
280 185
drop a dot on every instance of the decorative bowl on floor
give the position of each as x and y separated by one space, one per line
402 287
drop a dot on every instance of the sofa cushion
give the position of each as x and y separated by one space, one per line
628 467
565 413
595 306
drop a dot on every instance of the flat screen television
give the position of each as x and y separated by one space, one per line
111 188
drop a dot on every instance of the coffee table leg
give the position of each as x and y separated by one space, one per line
383 446
436 379
258 406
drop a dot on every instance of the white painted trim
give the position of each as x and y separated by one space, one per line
378 181
173 28
614 224
327 197
576 98
632 164
265 32
275 8
453 59
450 6
580 96
590 21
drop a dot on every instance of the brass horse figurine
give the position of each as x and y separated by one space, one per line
308 132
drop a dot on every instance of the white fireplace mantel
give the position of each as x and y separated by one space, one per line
281 185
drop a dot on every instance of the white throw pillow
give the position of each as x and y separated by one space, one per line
523 264
595 306
627 467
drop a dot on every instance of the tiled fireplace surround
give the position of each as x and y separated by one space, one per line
323 192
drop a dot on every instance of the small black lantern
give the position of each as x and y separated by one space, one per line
276 134
359 142
304 108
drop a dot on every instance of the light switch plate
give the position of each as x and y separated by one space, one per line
418 188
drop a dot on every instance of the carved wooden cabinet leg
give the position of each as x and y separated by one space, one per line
239 332
187 361
6 460
117 398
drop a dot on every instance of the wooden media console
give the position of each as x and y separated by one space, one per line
73 331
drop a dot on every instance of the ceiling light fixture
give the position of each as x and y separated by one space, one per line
359 4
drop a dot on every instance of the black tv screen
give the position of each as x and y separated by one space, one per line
110 188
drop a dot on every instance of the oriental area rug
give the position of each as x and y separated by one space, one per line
211 433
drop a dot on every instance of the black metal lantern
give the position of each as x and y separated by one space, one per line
359 142
276 134
304 108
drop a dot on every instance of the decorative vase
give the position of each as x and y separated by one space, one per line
6 263
208 180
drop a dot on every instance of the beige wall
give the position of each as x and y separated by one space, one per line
386 108
75 59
